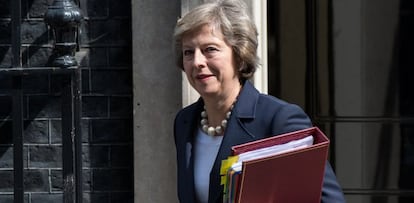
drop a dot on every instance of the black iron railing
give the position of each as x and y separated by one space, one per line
64 65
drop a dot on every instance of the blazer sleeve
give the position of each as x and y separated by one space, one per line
331 191
290 118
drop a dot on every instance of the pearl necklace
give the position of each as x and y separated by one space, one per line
214 131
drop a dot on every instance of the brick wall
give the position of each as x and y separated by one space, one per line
107 105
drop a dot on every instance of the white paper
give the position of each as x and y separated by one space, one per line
272 150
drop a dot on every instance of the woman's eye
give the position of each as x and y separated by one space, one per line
211 49
187 52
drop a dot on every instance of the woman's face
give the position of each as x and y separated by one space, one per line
209 63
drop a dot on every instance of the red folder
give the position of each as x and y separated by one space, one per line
291 177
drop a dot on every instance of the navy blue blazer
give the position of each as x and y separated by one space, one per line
255 116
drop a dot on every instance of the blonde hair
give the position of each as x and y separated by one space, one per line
232 19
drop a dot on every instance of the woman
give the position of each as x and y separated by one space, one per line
215 46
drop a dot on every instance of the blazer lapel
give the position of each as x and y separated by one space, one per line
236 133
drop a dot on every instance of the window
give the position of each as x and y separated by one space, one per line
347 63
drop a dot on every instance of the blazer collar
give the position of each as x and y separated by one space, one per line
247 100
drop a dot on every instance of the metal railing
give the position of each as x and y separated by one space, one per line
65 66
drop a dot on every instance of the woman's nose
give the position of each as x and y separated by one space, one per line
199 59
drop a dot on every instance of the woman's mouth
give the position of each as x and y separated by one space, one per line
203 76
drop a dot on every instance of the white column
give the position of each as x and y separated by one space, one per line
259 11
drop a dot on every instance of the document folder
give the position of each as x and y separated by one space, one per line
291 176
